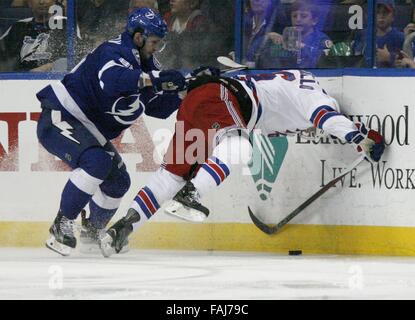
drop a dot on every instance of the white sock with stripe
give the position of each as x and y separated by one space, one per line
162 186
231 150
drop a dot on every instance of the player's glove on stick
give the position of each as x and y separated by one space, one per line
368 141
205 70
168 81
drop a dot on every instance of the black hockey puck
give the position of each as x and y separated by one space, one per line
295 252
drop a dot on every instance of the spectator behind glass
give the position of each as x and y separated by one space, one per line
163 6
187 43
389 40
221 17
137 4
31 45
406 57
106 15
304 44
119 24
185 15
258 23
98 18
19 3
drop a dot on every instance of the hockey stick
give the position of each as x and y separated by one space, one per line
233 66
272 229
145 80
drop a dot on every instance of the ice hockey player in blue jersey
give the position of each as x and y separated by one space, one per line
104 94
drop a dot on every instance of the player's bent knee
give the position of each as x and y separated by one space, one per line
233 149
118 185
96 162
125 183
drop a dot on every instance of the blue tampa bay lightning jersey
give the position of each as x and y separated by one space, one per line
103 93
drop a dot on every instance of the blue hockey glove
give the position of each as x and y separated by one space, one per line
168 81
368 141
206 70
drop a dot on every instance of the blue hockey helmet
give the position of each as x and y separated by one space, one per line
146 21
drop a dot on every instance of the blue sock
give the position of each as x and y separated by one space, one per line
94 166
73 200
100 217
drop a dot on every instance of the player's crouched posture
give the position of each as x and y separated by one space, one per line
113 86
284 102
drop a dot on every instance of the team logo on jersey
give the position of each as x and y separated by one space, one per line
150 15
127 109
35 49
267 158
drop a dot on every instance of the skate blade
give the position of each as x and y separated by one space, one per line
94 248
177 210
58 247
89 248
89 245
124 249
105 246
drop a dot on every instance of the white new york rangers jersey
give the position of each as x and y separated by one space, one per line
292 101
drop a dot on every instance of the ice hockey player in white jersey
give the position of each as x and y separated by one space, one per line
105 94
285 102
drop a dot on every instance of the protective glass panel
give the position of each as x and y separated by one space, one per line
99 21
395 34
198 31
33 36
304 34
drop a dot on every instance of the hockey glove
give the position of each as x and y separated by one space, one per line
205 70
368 141
169 81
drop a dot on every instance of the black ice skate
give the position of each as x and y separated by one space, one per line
62 238
89 235
116 238
186 205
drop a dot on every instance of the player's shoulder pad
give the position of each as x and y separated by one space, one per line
118 53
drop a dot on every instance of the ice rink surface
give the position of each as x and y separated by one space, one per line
182 275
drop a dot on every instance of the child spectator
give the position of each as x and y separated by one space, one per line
305 17
389 40
36 43
311 42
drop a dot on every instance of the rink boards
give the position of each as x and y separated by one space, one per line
370 212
